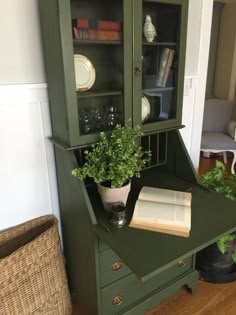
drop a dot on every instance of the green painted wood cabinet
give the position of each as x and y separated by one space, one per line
123 74
126 79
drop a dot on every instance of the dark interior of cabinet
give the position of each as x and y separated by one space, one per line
155 174
93 9
166 19
162 99
156 143
158 176
102 107
170 168
108 63
100 112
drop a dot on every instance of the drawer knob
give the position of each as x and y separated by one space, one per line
117 265
182 262
117 300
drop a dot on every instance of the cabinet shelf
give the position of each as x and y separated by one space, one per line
96 42
99 93
152 92
162 44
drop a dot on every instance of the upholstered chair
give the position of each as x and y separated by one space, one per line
219 128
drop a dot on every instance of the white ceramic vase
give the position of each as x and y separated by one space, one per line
109 196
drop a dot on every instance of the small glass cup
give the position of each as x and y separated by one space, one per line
118 214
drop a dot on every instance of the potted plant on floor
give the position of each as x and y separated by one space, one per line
217 262
112 162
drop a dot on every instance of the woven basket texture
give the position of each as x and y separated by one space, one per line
32 272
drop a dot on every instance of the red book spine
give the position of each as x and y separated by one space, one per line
82 23
109 25
96 34
104 35
98 24
167 70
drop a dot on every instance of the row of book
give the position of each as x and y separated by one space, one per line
92 29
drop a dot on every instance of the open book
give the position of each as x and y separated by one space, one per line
163 210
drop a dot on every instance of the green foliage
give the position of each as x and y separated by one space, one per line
223 241
217 179
114 159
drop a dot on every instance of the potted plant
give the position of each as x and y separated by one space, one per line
112 162
217 262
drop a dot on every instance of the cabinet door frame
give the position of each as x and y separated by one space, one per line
137 65
71 102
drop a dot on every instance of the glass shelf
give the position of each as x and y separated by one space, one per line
96 42
99 93
152 92
164 44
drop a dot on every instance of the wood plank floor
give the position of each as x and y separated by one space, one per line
210 299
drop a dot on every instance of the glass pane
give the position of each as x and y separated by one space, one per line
97 28
160 61
100 113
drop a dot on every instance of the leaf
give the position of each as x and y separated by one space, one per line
223 242
222 246
115 159
234 256
218 180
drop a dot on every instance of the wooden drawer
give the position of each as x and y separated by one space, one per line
128 290
112 268
190 279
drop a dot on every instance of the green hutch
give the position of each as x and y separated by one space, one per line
126 270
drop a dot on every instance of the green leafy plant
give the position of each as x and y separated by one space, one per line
219 180
115 159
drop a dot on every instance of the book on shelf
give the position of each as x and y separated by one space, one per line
96 34
163 210
166 61
83 23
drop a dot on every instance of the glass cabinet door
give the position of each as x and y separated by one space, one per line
101 33
159 63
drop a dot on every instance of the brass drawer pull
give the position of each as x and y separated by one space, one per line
117 265
182 262
117 300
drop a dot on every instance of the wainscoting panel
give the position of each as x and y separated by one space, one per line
27 170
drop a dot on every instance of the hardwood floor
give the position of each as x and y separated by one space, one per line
210 299
206 164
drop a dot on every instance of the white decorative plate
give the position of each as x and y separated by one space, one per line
84 73
145 108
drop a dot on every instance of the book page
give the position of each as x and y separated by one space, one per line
165 196
160 214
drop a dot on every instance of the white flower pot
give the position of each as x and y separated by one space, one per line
110 196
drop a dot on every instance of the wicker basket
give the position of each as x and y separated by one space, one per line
32 272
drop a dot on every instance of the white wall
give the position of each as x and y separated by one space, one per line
193 37
27 170
28 186
198 42
225 68
21 49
